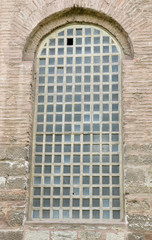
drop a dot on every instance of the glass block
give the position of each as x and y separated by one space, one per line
67 127
77 117
42 70
105 127
76 147
105 180
76 169
51 70
87 78
114 107
96 107
47 180
105 169
86 180
57 169
116 202
58 118
69 50
56 180
50 99
46 202
77 88
47 169
77 79
43 52
66 180
87 107
37 180
60 51
105 202
67 169
87 88
116 214
56 191
40 118
85 202
95 180
87 60
85 214
48 158
86 191
86 118
37 191
105 40
50 79
68 80
40 108
86 169
115 127
77 138
69 70
96 127
96 191
68 107
57 158
59 98
59 89
76 203
52 51
105 148
41 89
41 80
39 138
115 158
60 61
114 49
68 117
38 158
87 31
105 158
70 32
75 214
105 49
106 214
78 50
115 180
115 148
76 158
96 97
105 97
56 214
96 148
46 191
86 127
86 98
105 137
56 202
36 202
66 158
59 108
96 169
61 41
77 98
76 191
97 49
96 118
105 59
58 148
105 191
86 158
58 138
96 202
115 191
78 41
87 50
36 213
67 138
65 214
52 42
95 158
41 99
40 128
76 180
66 191
69 60
114 78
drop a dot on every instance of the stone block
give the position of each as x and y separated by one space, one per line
89 235
11 235
15 218
115 236
36 235
2 182
140 223
12 195
17 183
64 235
135 236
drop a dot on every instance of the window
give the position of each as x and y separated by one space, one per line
77 172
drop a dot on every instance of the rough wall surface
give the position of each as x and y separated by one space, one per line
19 22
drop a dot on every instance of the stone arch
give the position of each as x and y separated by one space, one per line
76 15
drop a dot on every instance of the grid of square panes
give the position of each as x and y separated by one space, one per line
77 141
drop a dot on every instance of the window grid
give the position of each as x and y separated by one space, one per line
77 108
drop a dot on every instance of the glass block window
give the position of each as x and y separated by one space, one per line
77 172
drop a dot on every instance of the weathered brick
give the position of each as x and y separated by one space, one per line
11 235
63 235
37 235
114 236
89 235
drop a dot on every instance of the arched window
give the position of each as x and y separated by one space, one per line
77 161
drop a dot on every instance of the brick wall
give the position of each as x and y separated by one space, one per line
22 25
